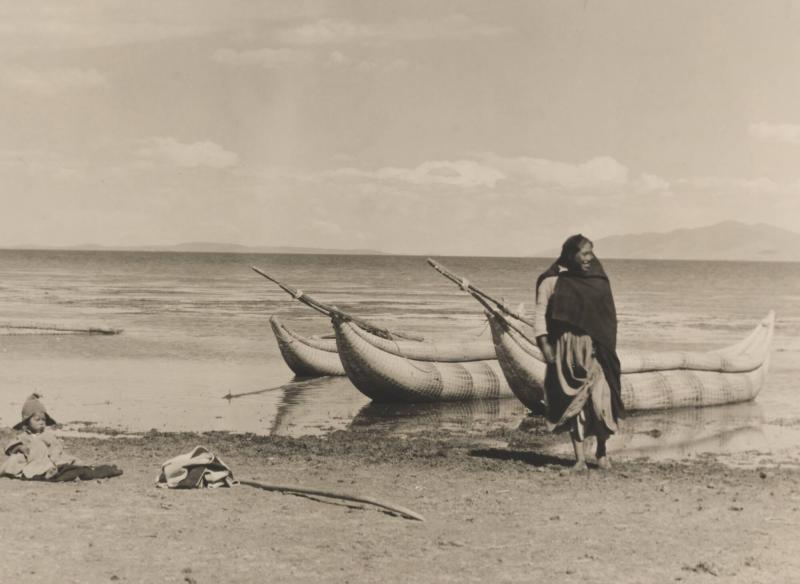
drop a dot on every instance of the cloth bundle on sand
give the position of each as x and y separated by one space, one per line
196 470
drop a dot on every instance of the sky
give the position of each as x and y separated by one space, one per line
421 127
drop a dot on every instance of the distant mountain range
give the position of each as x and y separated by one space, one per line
729 240
212 247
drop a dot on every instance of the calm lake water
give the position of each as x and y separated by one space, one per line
196 327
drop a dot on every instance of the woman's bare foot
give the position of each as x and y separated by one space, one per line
604 463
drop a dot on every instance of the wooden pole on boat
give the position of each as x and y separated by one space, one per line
331 311
303 491
501 311
464 284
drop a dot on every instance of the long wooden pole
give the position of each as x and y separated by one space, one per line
332 311
292 384
467 287
499 309
383 505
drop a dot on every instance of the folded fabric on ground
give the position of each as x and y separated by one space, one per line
196 470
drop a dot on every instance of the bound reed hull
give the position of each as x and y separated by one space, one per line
307 356
315 356
385 375
652 381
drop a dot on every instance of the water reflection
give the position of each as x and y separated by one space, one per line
738 432
689 430
316 406
472 416
741 433
322 405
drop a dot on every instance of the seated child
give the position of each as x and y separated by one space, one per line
37 454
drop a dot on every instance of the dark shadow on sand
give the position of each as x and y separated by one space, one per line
526 456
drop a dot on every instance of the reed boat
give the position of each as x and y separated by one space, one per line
313 356
318 356
399 370
650 380
455 371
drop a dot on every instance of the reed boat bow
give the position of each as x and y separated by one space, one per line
307 356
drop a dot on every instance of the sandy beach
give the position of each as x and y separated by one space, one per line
695 495
496 510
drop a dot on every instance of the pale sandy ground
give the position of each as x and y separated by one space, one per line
494 513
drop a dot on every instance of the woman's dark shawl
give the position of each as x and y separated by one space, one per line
583 302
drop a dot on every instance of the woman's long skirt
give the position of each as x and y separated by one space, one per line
576 391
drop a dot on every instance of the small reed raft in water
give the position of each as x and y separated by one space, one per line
48 329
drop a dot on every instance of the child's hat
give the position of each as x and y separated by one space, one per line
32 406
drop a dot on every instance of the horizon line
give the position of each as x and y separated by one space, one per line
334 252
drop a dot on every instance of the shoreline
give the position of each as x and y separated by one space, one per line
497 508
731 435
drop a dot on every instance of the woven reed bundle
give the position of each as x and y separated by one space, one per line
385 376
652 361
315 356
524 369
649 383
478 349
743 357
307 356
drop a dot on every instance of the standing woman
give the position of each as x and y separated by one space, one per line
576 329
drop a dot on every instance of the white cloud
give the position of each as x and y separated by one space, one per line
366 66
602 177
650 183
326 227
784 133
461 173
51 81
397 65
329 31
168 150
260 175
598 172
734 186
40 164
338 58
63 33
274 58
61 25
267 57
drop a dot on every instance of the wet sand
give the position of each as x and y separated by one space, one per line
497 509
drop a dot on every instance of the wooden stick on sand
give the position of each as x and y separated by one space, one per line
382 505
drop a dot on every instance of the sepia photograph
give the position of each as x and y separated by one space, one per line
410 291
